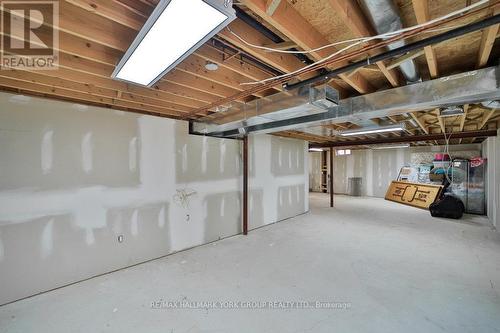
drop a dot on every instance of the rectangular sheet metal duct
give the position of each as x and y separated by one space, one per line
280 106
465 88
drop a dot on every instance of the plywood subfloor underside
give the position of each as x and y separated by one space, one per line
401 270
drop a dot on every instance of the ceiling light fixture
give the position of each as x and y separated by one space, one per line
371 130
393 146
211 66
173 31
315 149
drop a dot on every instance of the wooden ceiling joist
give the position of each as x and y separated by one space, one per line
421 8
56 82
289 22
419 122
488 38
353 18
109 10
486 117
82 97
284 62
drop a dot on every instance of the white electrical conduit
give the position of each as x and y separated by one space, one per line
357 41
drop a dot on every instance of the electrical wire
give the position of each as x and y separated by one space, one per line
356 42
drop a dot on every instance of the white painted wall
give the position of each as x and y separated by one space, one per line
73 178
491 150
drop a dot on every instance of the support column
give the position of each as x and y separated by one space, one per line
331 176
245 185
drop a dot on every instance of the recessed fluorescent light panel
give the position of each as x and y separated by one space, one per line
371 130
174 30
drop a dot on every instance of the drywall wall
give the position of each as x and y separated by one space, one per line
378 167
315 171
279 182
491 151
74 178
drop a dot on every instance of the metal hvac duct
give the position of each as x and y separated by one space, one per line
384 17
283 105
491 104
465 88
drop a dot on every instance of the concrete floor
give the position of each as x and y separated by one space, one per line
396 268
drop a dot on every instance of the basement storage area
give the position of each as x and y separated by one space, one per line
249 166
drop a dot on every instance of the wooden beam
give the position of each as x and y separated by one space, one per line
271 6
281 46
440 121
76 54
108 10
406 57
106 19
81 97
287 20
421 8
195 65
420 123
213 54
283 62
463 119
487 40
352 17
486 116
39 77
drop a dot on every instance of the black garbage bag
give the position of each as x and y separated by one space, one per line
449 207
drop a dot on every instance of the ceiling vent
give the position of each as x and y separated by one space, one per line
451 111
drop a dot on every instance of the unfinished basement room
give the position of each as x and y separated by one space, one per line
260 166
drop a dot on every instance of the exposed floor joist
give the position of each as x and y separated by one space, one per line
287 20
421 8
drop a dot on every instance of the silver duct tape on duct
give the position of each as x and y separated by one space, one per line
465 88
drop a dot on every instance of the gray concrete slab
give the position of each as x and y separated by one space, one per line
390 268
